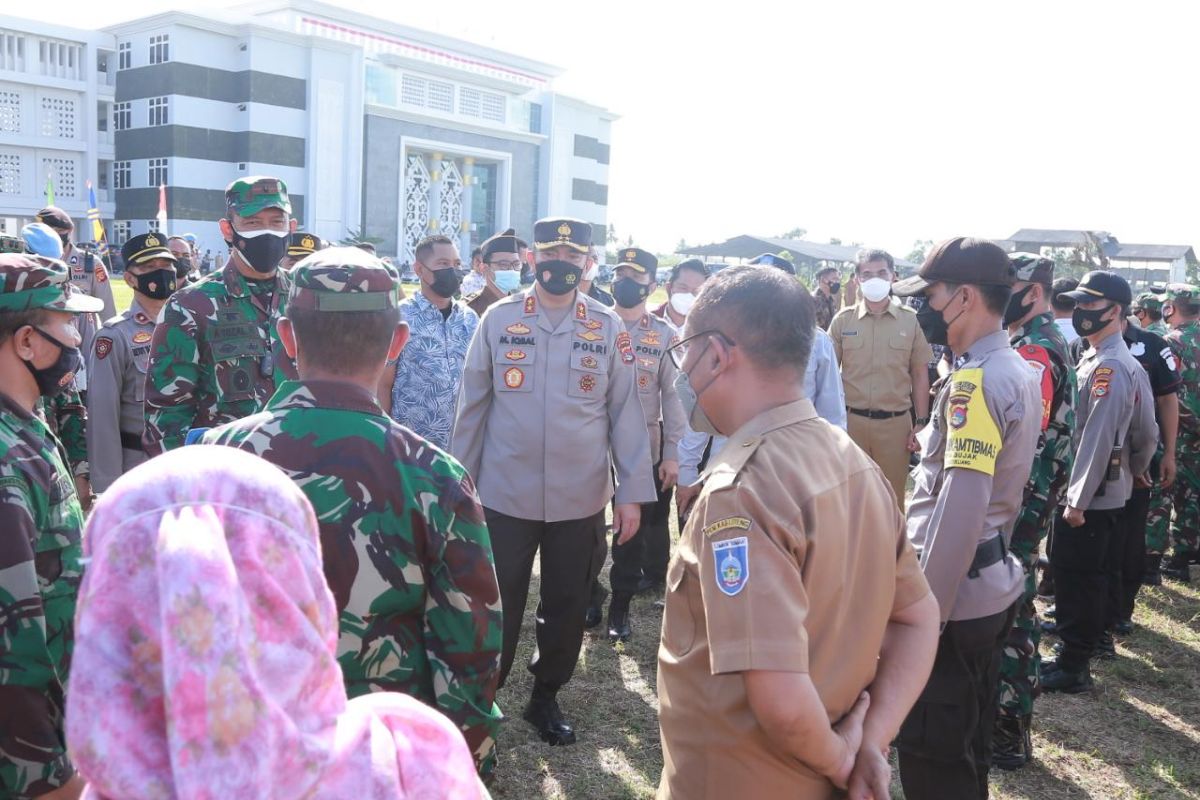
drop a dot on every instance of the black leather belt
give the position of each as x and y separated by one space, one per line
987 553
131 441
869 414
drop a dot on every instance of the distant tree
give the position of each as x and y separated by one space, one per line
920 249
612 234
682 246
356 236
835 240
794 233
629 241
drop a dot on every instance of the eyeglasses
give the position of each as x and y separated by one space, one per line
679 350
514 264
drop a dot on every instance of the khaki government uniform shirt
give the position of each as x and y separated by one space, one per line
546 410
976 455
786 564
878 353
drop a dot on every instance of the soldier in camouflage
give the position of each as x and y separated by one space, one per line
66 417
1147 309
42 524
1036 338
1182 312
210 359
406 550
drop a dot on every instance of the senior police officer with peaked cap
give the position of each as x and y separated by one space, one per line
975 460
119 360
547 407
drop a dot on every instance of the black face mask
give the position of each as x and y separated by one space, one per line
629 293
1087 323
834 287
1017 307
55 379
933 323
564 276
183 265
264 251
526 278
445 282
157 285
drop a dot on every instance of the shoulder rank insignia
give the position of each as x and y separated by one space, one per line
581 310
732 560
645 323
142 319
530 304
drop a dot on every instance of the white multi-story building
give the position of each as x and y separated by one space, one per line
378 129
56 96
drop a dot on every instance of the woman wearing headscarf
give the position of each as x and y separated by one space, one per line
204 657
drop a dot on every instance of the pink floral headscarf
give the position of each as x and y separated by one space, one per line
204 658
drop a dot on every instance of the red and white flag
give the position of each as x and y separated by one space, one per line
162 209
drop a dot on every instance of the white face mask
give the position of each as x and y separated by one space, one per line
876 289
682 303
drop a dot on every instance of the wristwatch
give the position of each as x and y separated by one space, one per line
922 422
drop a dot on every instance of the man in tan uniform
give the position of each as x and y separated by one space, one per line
634 282
500 267
119 359
548 405
975 460
793 588
884 358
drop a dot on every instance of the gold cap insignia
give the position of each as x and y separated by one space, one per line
152 240
631 254
307 242
564 230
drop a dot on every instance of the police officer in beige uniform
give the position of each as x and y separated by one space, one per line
1115 439
633 283
119 358
793 587
547 407
968 488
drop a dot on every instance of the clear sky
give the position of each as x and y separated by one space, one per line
873 122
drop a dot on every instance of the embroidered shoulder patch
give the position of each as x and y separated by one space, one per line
732 560
729 523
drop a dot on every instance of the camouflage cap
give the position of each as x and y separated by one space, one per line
1032 268
343 279
1185 292
248 196
302 244
28 282
1147 301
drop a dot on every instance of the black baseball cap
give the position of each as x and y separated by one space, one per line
1101 284
961 260
772 260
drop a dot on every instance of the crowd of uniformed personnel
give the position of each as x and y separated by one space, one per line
817 612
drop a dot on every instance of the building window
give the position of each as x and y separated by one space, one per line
63 172
158 111
12 51
152 225
10 173
484 105
426 93
441 96
122 116
120 232
122 175
124 59
158 172
61 59
10 111
160 49
58 118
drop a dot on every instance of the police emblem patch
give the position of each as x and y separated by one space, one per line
101 273
732 560
643 380
589 362
625 346
513 378
587 383
103 347
958 416
515 355
517 328
141 337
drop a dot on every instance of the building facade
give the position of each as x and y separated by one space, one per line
380 131
57 89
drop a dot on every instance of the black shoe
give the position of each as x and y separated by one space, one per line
1051 612
1124 627
1049 627
1106 649
1056 649
1009 749
1177 568
1045 587
1068 681
544 714
593 617
651 585
618 618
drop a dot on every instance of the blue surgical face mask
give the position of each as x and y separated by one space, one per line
507 280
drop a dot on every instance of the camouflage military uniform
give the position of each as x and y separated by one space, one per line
1185 523
1041 343
41 527
210 359
66 417
406 550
